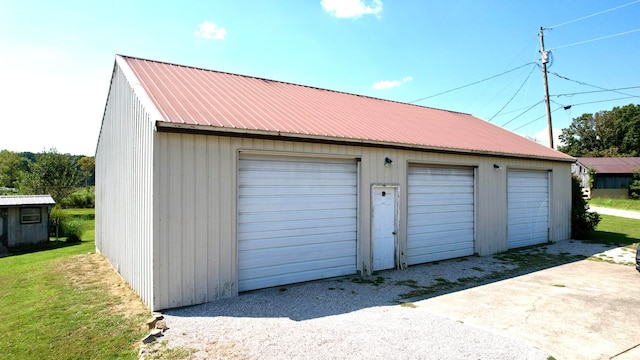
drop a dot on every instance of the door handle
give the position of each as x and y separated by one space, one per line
393 233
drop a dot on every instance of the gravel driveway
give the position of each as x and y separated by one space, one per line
355 319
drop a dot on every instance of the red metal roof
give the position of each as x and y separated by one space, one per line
229 102
604 165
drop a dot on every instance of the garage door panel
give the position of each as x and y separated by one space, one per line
321 202
293 254
294 216
262 279
440 253
297 220
293 238
528 208
289 190
434 238
430 199
249 228
442 209
440 222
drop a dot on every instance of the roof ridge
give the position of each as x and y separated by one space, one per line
293 84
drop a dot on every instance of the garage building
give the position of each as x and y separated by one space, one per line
210 183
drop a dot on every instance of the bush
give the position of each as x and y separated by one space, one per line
583 222
72 230
81 199
67 227
634 187
56 218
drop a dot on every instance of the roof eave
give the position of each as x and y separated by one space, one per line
163 126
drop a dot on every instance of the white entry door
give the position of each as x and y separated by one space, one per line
384 227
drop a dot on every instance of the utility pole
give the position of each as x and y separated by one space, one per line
545 60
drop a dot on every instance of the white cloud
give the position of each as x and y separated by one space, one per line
388 84
542 137
209 30
351 8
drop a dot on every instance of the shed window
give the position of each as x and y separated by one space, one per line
30 215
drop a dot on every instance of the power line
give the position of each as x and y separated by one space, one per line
599 101
473 83
536 119
596 91
514 95
586 84
592 15
596 39
522 113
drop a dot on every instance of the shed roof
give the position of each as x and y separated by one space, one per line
205 100
21 200
608 165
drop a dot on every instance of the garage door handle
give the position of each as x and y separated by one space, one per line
393 233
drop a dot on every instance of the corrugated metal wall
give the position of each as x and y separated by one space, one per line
124 187
196 192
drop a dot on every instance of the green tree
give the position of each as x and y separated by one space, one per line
606 133
11 168
52 173
87 167
583 221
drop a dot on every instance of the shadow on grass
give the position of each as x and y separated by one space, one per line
44 246
610 238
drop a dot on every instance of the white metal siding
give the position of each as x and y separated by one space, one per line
296 220
124 187
440 213
528 214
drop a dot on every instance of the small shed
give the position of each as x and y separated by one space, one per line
209 184
24 219
612 175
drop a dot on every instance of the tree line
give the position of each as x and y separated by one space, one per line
48 172
607 133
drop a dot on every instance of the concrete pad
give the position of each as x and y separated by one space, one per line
581 310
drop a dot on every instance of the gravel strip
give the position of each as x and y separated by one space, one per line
355 319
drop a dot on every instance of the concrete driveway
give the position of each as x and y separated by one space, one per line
581 310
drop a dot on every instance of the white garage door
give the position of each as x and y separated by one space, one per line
440 222
296 220
528 203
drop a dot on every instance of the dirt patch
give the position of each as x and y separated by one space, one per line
93 271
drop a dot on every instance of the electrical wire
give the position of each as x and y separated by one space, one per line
514 95
592 15
600 101
596 39
471 84
536 119
522 113
586 84
516 110
595 91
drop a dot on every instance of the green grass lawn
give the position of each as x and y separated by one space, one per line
614 230
624 204
63 301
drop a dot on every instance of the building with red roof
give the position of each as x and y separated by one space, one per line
612 175
210 183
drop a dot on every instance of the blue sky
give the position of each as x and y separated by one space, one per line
56 57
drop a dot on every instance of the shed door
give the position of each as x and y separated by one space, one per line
296 220
528 203
440 223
